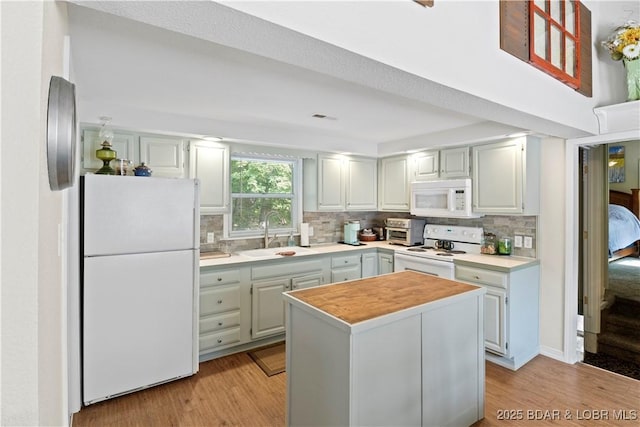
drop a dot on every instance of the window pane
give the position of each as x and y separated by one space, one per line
570 22
540 40
249 213
570 63
541 4
555 10
261 177
556 47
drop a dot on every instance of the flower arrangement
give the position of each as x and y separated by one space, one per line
624 42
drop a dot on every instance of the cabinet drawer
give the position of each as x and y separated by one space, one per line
217 323
219 299
343 261
480 276
219 339
344 274
221 277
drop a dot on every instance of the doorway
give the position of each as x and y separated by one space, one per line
608 279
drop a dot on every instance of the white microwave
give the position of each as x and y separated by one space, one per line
449 198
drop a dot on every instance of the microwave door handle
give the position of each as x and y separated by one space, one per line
452 200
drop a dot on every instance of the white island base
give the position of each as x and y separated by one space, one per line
354 360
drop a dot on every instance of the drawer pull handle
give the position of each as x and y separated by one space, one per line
220 323
219 279
476 277
219 301
345 261
219 340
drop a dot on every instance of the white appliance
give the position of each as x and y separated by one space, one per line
405 231
140 246
445 198
442 244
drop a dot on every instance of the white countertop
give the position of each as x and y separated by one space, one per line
495 262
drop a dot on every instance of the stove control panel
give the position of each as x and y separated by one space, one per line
453 233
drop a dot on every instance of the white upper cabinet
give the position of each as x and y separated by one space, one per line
394 184
209 163
440 164
506 177
124 144
331 187
346 183
361 182
425 165
454 163
163 155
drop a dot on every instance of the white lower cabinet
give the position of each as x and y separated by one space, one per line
385 262
269 281
511 307
346 267
369 264
410 368
224 321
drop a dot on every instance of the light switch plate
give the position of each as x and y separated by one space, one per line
528 242
517 241
210 237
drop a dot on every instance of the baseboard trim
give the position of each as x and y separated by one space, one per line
555 354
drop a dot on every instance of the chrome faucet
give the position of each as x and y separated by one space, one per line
268 240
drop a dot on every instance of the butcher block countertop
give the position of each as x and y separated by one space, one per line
365 299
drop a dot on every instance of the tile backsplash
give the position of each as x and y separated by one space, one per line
328 228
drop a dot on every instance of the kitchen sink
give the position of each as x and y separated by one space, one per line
277 252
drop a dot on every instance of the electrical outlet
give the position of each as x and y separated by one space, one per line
210 237
528 242
517 242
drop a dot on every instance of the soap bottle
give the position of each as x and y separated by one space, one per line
291 242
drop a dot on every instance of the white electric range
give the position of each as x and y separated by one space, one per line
442 244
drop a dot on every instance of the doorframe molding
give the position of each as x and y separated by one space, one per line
572 233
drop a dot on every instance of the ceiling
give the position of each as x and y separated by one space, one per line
158 80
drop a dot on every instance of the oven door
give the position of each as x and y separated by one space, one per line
402 262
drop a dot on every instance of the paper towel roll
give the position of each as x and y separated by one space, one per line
304 234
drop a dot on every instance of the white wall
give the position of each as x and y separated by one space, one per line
454 43
33 347
551 247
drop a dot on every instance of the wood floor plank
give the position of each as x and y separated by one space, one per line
234 391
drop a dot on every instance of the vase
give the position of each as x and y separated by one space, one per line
633 79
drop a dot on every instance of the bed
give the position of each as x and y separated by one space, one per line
624 224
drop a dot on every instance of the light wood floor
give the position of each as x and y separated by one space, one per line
233 391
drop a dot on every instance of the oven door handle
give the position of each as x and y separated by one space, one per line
423 272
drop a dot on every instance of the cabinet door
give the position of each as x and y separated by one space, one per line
393 184
361 184
454 163
308 281
494 320
331 187
165 156
267 307
425 165
209 163
369 264
385 263
497 177
123 144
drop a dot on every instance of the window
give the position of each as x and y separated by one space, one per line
552 35
262 186
555 40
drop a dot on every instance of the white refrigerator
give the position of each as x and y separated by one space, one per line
140 246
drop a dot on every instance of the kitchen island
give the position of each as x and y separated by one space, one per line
403 348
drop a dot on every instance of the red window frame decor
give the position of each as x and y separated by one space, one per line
560 33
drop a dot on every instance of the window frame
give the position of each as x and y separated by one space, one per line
296 198
544 64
